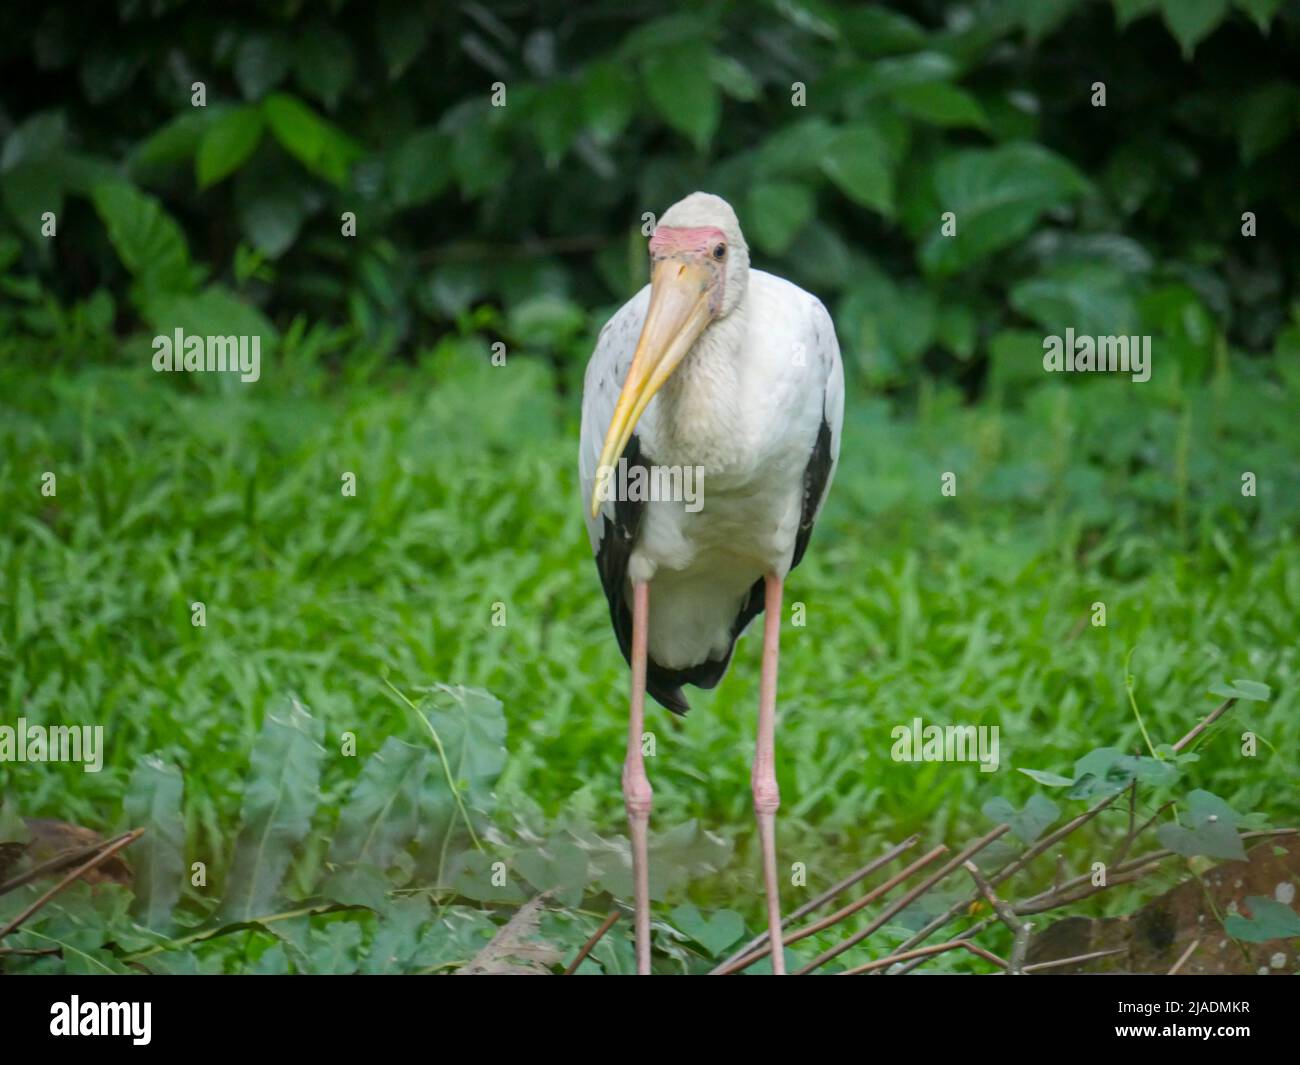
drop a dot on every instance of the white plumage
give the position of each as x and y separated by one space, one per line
747 405
736 374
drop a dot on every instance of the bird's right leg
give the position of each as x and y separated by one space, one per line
637 793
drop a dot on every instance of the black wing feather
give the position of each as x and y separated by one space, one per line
815 476
618 538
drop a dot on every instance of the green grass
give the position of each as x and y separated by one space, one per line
963 610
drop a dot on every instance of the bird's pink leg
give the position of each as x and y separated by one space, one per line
637 794
767 797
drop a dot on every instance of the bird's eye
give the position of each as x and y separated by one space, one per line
719 251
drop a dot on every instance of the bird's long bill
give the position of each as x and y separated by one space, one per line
679 311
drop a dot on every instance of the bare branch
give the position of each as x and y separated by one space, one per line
838 915
1007 915
605 926
821 900
1185 955
1056 963
1206 722
889 911
926 952
1033 852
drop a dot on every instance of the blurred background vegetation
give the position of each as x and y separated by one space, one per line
840 133
516 221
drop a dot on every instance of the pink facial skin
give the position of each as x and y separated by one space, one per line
682 240
696 242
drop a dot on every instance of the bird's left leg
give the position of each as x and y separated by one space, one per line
637 793
767 797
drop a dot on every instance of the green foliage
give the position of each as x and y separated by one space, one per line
279 799
1038 814
1250 690
1210 829
843 134
961 608
366 907
153 802
522 225
1269 919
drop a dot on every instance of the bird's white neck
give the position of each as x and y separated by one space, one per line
700 420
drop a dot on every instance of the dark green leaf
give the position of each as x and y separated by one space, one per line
154 802
35 140
280 796
777 212
228 141
261 63
609 98
403 31
146 238
397 935
1027 823
996 195
319 145
1190 21
1262 11
715 934
681 88
1268 920
857 160
942 104
381 811
323 63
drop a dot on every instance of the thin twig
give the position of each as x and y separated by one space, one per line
821 900
1121 852
605 926
1033 852
1044 901
1056 963
1008 870
838 915
900 904
1007 915
1186 954
52 865
1206 722
1051 900
103 856
926 952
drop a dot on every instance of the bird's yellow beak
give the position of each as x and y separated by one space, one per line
679 311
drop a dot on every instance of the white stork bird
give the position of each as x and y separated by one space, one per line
735 373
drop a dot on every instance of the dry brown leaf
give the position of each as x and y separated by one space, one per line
512 951
51 838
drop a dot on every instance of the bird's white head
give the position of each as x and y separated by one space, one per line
705 226
699 272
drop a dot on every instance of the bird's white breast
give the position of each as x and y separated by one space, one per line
745 407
